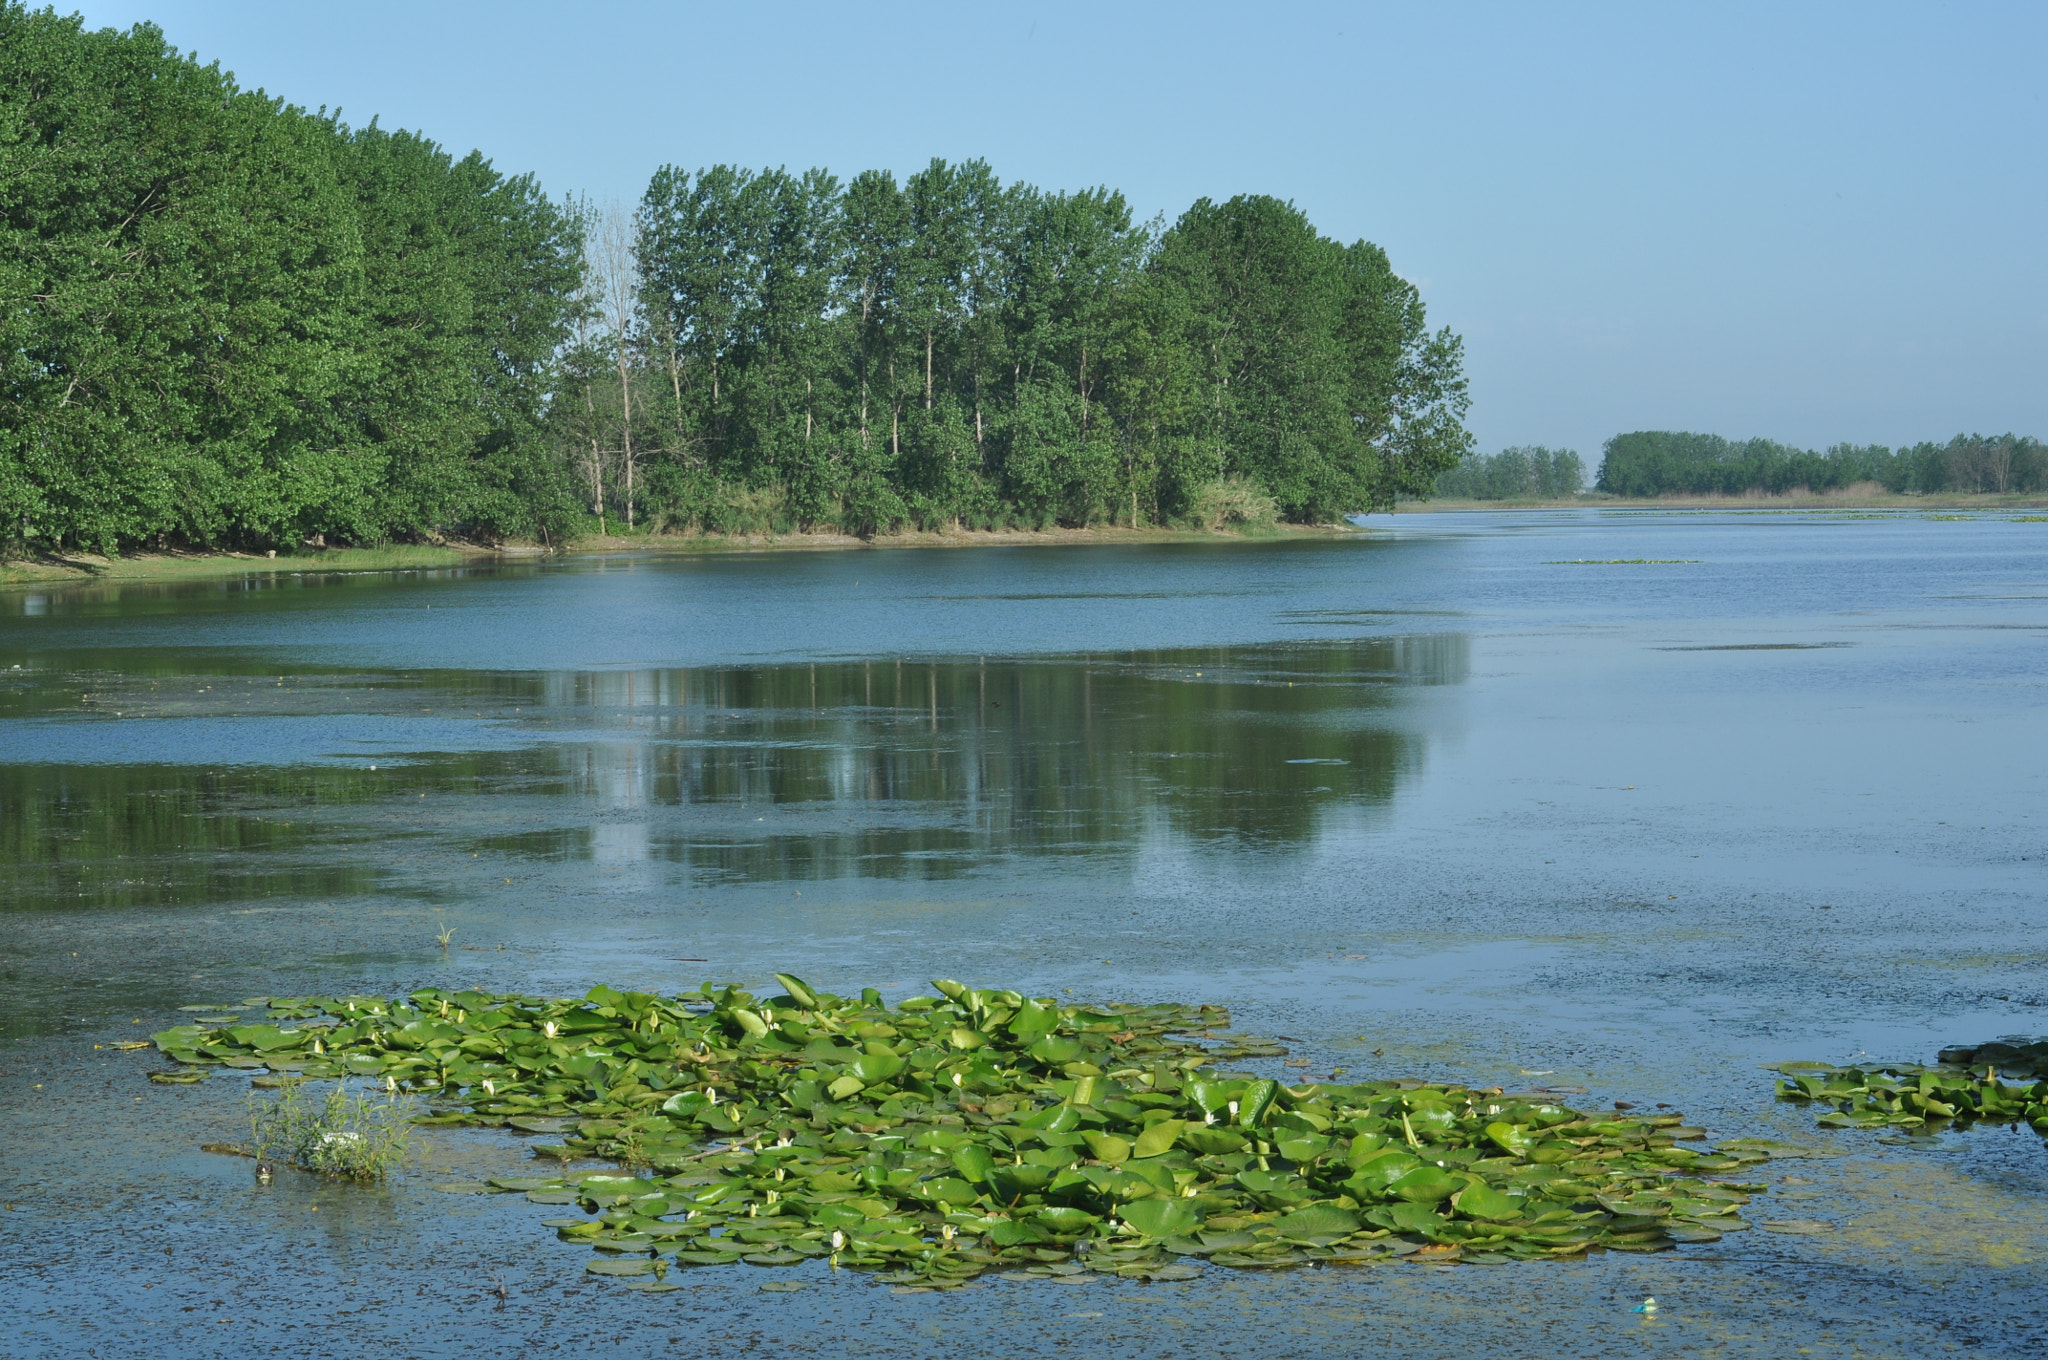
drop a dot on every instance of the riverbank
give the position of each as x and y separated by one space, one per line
1859 498
72 568
69 568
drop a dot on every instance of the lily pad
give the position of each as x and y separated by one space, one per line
630 1265
1163 1217
1322 1220
1803 1227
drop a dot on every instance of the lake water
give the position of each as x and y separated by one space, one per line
1625 801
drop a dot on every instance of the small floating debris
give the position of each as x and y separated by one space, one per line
981 1130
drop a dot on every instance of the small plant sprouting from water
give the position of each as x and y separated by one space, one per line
444 935
357 1137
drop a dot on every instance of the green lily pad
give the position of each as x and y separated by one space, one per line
635 1265
1320 1220
1163 1217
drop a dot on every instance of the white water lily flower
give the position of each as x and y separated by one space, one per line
549 1029
838 1240
490 1087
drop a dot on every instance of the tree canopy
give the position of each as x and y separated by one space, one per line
231 322
1525 471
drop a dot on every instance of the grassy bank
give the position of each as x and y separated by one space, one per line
950 538
171 567
76 567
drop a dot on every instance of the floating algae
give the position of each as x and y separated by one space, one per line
1967 1085
980 1129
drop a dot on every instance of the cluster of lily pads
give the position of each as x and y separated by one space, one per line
980 1130
1996 1083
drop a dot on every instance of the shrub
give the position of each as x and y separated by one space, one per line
349 1135
1232 503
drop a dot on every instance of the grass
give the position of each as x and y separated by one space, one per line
355 1137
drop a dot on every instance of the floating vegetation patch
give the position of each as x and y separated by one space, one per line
1624 562
2003 1082
346 1134
982 1130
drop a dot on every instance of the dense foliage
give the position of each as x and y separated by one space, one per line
981 1129
957 350
1660 462
232 322
1526 472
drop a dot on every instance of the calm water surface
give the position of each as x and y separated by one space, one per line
1477 797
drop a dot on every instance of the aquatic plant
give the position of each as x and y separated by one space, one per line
982 1129
347 1134
1966 1085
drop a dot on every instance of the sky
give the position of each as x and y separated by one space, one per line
1810 222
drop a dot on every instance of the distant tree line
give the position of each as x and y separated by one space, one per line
231 322
1659 462
1525 472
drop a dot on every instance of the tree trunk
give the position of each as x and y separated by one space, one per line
626 428
927 368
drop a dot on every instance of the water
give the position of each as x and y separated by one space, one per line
1462 798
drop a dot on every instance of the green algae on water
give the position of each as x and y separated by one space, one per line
980 1129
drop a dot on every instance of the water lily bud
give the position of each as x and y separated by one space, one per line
838 1240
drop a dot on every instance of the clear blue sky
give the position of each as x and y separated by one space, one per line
1807 221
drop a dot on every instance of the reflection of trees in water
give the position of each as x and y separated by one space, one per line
943 764
884 769
76 836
